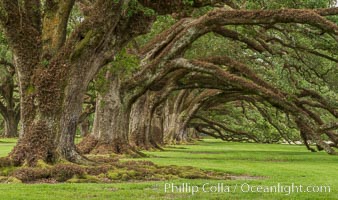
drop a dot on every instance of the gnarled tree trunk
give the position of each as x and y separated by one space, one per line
156 128
54 71
9 108
179 110
84 128
139 120
145 129
110 130
11 124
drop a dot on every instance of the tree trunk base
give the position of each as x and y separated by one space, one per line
325 146
156 146
37 144
87 144
90 145
72 155
117 147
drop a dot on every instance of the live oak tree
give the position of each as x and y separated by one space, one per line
55 67
9 106
232 116
164 54
54 70
304 93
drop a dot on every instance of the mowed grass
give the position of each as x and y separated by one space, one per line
275 163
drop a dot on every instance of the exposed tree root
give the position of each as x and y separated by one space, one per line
91 145
110 170
116 148
75 157
156 146
87 144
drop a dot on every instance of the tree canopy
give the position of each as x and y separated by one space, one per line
163 71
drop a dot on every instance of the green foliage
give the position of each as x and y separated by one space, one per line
6 171
82 44
211 45
125 63
136 7
45 63
251 121
31 89
275 4
188 2
4 75
291 68
5 53
76 17
161 24
123 175
123 66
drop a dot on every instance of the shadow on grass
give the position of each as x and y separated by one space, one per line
246 155
174 147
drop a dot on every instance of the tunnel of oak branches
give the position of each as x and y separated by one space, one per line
133 75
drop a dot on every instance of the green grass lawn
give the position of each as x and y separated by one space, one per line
275 163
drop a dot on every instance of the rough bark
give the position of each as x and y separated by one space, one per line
84 128
11 125
156 128
111 120
157 55
9 108
139 119
145 129
54 72
172 110
179 111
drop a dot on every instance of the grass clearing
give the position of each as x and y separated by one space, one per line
276 163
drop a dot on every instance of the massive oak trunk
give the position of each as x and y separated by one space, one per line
156 128
51 106
84 127
11 124
138 125
169 123
9 108
179 110
110 130
173 118
145 129
54 71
